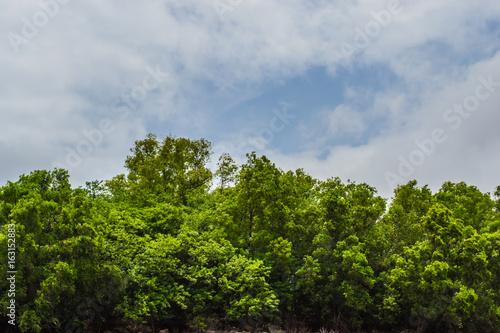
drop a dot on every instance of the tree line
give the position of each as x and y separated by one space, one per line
159 245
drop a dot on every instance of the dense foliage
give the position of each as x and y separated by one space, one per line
266 246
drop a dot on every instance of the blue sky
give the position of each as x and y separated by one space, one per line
82 81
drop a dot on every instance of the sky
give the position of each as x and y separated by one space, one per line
375 91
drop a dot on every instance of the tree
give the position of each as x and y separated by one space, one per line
401 225
439 282
60 261
174 169
226 170
157 246
467 203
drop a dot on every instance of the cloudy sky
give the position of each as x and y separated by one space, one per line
376 91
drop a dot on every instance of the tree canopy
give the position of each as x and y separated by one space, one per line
160 245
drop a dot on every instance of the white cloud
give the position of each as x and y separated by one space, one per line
345 120
469 153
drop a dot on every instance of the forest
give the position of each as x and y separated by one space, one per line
172 244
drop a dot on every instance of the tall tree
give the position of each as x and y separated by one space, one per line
226 170
173 169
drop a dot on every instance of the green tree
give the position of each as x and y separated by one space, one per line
60 259
173 170
401 225
226 170
467 203
442 280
